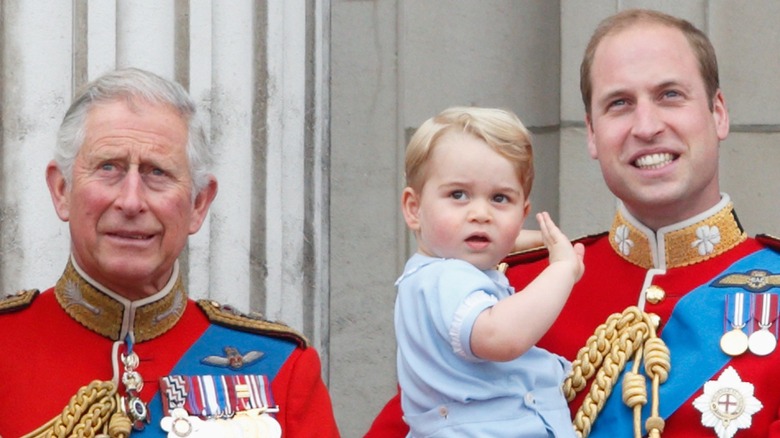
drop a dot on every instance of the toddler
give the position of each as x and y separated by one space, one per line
467 364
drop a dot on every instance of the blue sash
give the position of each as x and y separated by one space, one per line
692 335
211 343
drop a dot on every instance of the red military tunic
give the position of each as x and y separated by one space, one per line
74 333
619 267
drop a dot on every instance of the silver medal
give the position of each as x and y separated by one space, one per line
762 342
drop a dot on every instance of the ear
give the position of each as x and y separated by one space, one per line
410 206
60 194
526 208
591 137
203 201
721 115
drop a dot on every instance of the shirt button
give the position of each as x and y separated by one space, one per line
443 411
529 398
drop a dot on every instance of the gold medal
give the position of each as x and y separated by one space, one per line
734 342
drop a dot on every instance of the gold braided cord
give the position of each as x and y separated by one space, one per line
626 335
94 407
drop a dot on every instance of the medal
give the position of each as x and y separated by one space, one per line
727 404
734 341
222 405
132 405
180 424
258 423
763 340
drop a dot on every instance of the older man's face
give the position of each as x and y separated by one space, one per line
129 205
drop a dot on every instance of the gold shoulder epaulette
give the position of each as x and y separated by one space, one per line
253 323
18 301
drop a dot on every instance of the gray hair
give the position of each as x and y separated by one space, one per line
132 84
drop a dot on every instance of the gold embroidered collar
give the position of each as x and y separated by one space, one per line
114 316
686 243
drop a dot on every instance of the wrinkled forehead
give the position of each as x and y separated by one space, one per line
157 128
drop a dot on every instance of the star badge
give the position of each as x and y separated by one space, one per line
727 404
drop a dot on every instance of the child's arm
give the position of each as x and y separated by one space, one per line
512 326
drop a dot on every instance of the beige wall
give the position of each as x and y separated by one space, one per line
395 63
310 103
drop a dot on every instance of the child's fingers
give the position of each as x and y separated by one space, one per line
542 218
579 249
550 232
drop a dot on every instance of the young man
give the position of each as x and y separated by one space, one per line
655 116
116 347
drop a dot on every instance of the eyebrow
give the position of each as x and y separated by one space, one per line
623 91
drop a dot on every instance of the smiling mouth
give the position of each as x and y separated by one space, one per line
654 161
132 236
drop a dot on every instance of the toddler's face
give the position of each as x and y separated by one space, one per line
471 206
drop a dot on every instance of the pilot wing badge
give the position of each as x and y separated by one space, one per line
233 359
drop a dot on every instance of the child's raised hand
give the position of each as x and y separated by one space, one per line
560 248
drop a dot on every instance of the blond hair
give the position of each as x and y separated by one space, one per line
502 130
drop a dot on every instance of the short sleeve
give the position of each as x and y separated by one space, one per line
463 321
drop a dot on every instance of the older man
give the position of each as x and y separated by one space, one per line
675 256
116 346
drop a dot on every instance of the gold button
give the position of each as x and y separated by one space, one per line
655 320
654 294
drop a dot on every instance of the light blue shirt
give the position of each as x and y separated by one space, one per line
445 389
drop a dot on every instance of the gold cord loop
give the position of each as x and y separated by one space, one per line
624 336
94 407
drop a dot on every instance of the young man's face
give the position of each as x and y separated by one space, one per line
471 206
130 203
651 127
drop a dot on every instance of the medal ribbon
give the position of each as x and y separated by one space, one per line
175 391
217 396
225 397
765 312
195 404
213 409
737 313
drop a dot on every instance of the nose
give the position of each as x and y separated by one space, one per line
479 211
648 121
131 193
